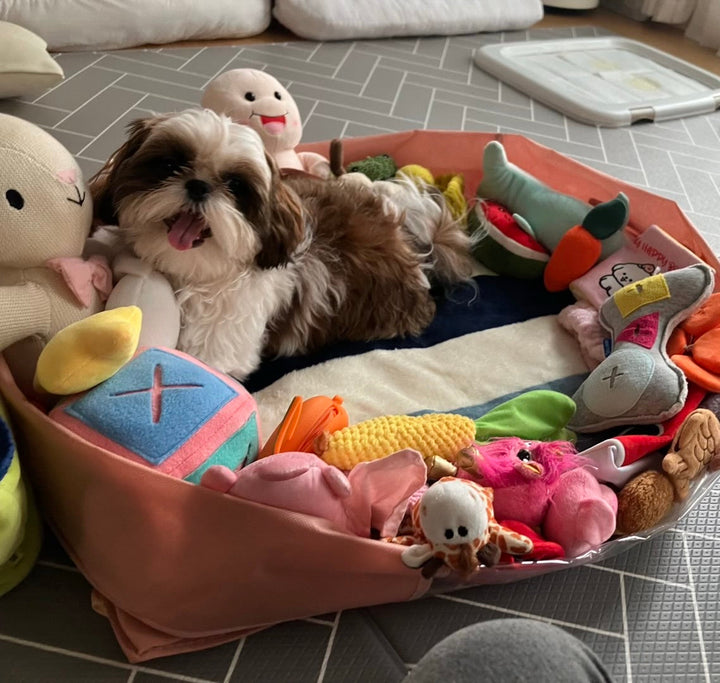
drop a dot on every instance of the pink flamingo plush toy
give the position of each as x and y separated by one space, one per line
544 485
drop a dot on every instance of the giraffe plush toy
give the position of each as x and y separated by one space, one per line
454 524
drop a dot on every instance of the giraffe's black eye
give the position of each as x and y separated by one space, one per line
462 531
449 533
250 96
15 199
278 96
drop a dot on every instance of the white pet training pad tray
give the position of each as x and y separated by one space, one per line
605 81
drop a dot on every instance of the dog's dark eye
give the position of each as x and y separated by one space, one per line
239 188
278 96
250 96
15 199
167 166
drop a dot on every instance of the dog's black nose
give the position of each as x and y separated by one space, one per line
197 190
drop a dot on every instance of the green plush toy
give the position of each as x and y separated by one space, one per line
576 234
380 167
540 415
20 529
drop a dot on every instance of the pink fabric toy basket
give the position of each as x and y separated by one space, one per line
176 567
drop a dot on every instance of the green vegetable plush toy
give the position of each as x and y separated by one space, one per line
576 234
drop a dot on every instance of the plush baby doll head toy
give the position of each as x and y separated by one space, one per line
45 218
257 99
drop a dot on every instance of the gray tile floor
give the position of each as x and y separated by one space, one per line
652 613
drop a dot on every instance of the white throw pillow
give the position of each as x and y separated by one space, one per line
26 68
348 19
113 24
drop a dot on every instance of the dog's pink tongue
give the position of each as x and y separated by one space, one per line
185 229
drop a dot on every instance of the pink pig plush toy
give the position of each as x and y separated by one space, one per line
257 99
373 496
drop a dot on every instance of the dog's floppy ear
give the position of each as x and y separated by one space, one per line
103 183
283 223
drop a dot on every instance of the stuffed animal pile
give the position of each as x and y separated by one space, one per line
458 494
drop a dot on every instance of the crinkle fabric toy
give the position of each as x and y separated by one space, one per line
638 383
45 218
167 411
433 434
257 99
576 234
454 524
373 498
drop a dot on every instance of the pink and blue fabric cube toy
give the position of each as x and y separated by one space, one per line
168 411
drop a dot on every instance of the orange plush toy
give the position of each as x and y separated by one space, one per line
694 345
576 234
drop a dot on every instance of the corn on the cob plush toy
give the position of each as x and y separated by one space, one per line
433 434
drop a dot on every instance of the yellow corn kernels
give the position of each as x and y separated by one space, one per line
433 434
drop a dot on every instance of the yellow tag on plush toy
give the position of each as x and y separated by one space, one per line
640 293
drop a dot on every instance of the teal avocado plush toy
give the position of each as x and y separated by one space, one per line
574 232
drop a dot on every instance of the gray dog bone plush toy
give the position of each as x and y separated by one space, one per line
638 383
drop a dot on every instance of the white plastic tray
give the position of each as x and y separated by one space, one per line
603 81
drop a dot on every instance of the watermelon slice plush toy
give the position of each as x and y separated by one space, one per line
502 245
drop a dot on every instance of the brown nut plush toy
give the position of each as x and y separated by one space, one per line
45 218
647 498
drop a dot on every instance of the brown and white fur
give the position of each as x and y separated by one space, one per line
266 265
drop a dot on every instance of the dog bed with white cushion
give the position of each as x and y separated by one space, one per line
111 24
343 19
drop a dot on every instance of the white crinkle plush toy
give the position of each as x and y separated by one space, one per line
257 99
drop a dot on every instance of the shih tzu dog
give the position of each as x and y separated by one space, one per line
270 265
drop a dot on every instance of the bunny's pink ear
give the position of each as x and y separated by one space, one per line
67 176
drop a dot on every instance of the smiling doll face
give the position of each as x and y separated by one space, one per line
256 99
45 210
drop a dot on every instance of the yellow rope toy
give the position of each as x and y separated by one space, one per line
451 185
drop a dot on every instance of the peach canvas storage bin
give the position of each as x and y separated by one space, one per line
176 567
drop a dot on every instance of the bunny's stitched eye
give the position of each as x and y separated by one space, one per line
278 96
250 96
15 199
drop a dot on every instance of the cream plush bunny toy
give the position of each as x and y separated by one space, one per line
256 99
45 218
